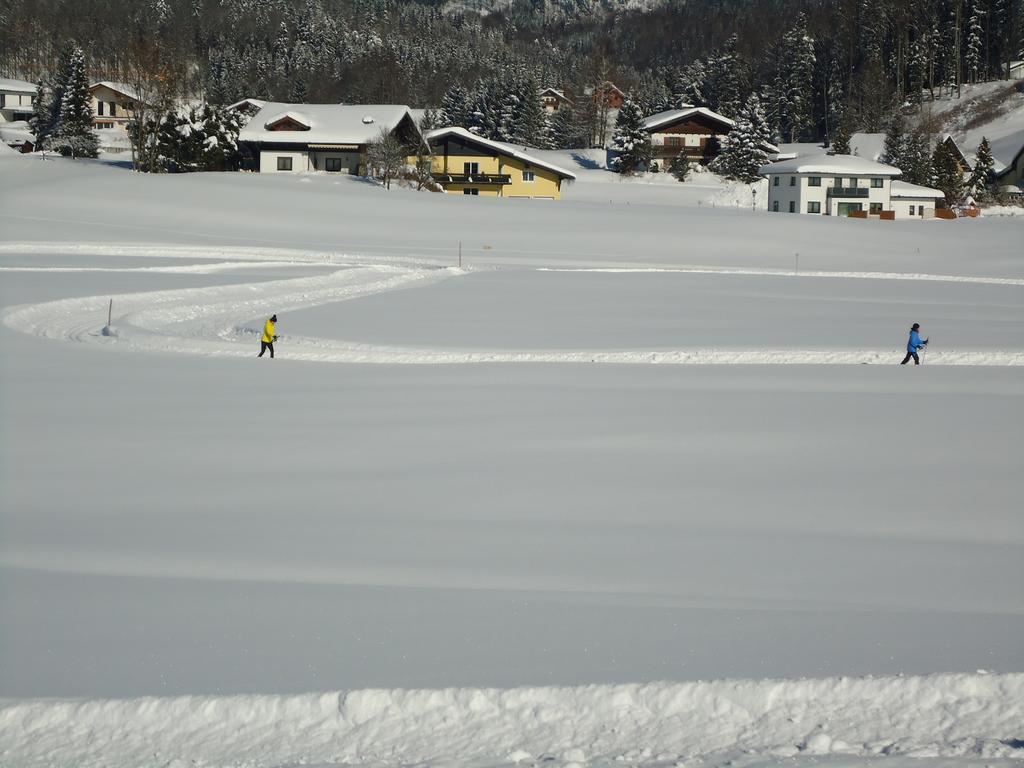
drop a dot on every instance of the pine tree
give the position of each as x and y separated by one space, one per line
298 94
630 142
455 107
743 152
566 131
797 90
917 157
980 181
485 111
680 167
895 142
840 144
431 119
972 55
74 135
42 113
946 174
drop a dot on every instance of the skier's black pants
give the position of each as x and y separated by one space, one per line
917 360
264 346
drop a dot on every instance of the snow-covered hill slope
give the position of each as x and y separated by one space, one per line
991 110
739 722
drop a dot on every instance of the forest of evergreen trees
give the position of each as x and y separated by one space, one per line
818 67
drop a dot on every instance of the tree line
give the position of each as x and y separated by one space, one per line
813 63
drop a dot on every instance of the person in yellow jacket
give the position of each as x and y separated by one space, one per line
268 338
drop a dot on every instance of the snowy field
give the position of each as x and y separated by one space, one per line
508 513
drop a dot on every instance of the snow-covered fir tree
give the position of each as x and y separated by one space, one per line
485 110
917 156
567 132
455 107
680 166
74 136
630 142
895 142
430 120
42 115
979 185
973 47
797 82
743 151
946 174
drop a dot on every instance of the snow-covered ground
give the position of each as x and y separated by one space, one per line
559 492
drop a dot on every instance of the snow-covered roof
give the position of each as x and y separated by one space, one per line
554 92
500 147
906 189
10 85
258 103
840 164
869 145
669 116
325 123
122 88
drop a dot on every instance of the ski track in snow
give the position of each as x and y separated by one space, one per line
212 321
967 716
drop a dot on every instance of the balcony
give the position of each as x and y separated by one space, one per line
472 178
848 191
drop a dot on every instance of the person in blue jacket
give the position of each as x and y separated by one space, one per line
914 343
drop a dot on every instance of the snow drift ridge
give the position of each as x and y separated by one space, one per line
950 715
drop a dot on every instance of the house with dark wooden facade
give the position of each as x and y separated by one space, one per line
697 131
553 99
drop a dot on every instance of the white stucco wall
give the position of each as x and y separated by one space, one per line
902 207
796 189
268 161
12 102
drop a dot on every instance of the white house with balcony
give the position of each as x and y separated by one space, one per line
841 185
15 100
297 138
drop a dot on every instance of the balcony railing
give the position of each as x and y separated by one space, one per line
472 178
848 191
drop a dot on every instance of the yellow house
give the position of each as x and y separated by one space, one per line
466 164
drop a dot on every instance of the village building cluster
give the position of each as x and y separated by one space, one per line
336 138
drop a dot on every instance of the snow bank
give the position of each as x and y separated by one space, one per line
953 715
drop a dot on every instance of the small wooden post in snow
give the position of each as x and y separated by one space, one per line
110 312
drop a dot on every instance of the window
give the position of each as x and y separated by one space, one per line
775 181
814 181
874 208
792 181
471 190
813 207
471 169
775 206
527 175
3 101
837 182
113 109
876 183
792 206
920 210
99 108
333 164
104 125
673 141
284 163
853 182
912 211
